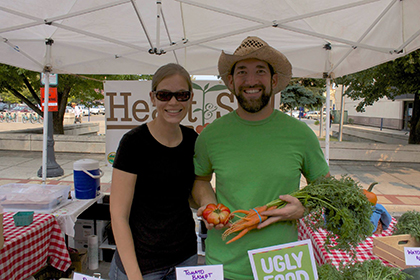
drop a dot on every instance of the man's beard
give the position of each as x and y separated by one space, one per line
253 105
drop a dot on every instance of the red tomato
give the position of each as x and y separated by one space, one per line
216 214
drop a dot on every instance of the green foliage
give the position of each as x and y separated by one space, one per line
400 76
366 270
388 80
338 206
328 272
13 79
22 86
297 95
409 223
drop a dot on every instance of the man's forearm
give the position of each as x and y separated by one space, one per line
203 192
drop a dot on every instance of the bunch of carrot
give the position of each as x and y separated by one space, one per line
251 221
336 205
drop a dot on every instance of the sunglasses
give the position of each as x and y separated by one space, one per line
167 95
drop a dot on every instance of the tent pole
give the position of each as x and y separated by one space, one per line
340 135
411 39
375 22
49 167
327 122
47 70
158 5
320 122
46 119
142 24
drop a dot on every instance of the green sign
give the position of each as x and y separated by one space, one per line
291 261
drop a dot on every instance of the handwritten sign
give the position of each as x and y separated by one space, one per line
412 255
207 272
287 261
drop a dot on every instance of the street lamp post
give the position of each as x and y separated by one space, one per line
53 169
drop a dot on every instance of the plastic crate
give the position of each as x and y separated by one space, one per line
23 218
33 197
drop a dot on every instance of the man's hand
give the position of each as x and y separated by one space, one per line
208 225
292 211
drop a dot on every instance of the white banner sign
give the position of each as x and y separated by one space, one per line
128 105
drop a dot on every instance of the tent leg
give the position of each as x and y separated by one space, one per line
53 169
327 122
340 135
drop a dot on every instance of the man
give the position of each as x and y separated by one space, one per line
257 154
77 113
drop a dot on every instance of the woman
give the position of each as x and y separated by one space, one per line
152 179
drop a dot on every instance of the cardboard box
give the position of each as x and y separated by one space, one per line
79 261
83 245
84 228
391 248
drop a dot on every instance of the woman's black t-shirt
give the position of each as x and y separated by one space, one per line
161 220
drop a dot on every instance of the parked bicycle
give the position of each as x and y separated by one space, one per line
11 117
34 117
25 117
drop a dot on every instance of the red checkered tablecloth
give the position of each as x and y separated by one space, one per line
27 248
364 250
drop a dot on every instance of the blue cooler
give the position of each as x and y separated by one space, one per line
86 175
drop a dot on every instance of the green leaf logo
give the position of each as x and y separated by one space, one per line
207 109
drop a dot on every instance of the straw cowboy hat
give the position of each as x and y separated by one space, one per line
254 47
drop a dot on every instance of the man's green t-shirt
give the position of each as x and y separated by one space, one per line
254 163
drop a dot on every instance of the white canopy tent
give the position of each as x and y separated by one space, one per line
321 38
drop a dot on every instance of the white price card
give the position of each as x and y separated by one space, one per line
208 272
412 255
79 276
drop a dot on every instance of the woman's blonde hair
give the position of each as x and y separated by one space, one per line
168 70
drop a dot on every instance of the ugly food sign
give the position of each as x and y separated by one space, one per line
291 261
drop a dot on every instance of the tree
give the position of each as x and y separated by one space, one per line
25 86
19 84
299 95
397 77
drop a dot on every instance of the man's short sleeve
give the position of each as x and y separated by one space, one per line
202 164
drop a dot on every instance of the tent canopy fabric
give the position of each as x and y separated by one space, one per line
321 38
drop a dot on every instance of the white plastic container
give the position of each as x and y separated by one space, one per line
33 197
87 178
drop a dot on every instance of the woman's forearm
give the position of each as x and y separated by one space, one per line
125 245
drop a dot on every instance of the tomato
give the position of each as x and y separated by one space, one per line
216 214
